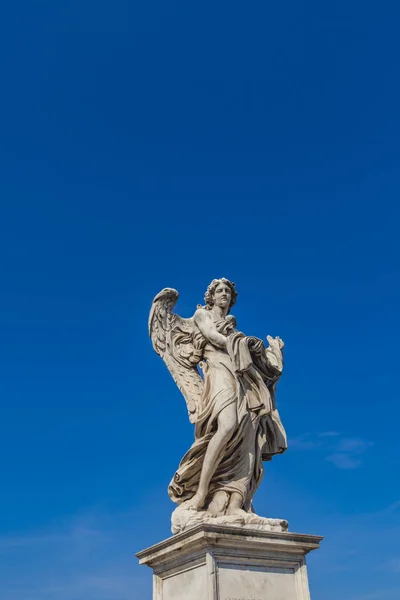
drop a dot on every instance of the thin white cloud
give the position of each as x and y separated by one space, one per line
343 461
343 452
76 532
380 594
88 557
392 565
353 445
393 507
90 587
347 453
304 442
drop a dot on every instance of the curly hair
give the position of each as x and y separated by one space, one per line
209 295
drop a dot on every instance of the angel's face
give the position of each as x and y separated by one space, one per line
222 295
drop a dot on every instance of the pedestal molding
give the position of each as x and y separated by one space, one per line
219 563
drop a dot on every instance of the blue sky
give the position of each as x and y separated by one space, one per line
151 144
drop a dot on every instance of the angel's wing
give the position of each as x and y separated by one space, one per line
180 345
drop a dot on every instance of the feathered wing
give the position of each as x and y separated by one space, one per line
180 345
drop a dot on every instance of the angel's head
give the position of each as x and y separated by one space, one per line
221 292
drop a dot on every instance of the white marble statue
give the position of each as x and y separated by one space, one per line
231 401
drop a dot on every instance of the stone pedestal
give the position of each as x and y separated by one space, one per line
216 562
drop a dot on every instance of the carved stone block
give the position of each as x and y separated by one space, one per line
215 562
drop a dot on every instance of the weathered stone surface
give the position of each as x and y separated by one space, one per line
221 549
184 518
232 404
211 562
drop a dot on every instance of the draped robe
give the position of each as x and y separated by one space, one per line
241 375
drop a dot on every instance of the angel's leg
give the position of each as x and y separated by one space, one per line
235 506
227 424
219 503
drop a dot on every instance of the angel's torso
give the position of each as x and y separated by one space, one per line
213 354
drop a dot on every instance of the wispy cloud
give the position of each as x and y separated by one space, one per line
76 534
355 543
393 507
348 453
353 445
392 565
381 594
304 442
344 461
92 586
343 452
88 557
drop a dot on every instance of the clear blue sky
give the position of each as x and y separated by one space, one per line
152 144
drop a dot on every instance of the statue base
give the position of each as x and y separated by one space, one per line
184 518
220 562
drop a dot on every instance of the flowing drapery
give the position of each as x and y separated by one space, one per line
240 375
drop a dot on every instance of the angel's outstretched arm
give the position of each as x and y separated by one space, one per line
206 326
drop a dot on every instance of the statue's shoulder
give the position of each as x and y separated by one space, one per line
231 320
201 315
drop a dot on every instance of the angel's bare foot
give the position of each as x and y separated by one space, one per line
233 511
218 504
197 502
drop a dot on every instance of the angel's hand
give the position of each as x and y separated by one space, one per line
275 343
274 352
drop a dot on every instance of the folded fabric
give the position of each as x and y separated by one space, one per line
239 353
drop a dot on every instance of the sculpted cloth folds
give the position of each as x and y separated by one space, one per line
243 374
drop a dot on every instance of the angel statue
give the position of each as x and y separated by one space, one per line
228 380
